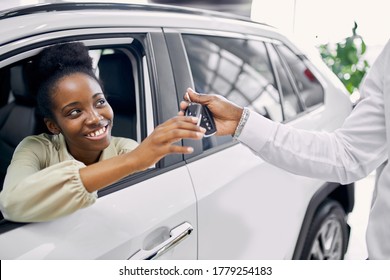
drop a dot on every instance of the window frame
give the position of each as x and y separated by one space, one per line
306 109
305 62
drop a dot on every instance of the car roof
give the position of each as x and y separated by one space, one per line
25 21
78 6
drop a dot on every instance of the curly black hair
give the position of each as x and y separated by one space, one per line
55 62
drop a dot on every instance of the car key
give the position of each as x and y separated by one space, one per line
206 119
195 110
207 122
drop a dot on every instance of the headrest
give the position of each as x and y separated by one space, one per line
115 71
20 86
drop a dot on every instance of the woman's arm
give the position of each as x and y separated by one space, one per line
157 145
36 189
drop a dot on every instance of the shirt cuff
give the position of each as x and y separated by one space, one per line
257 131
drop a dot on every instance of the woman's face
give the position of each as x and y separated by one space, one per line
82 115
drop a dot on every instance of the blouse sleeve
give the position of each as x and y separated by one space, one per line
32 193
125 145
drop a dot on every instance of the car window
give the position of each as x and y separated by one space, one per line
310 89
118 67
238 69
291 104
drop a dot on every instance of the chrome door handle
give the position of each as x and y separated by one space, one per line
177 234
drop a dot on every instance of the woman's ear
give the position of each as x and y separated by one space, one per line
52 126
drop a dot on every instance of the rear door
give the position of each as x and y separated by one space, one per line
247 209
145 214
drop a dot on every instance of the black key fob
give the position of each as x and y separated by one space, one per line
208 122
195 110
205 117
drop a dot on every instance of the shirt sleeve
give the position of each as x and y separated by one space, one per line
346 155
125 145
32 193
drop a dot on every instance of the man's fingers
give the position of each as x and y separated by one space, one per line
192 96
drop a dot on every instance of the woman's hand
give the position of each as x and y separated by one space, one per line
161 141
226 114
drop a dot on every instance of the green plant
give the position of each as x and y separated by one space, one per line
346 59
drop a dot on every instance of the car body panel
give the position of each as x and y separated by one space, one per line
115 227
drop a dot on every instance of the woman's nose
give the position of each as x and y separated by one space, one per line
93 117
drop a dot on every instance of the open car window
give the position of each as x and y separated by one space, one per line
120 69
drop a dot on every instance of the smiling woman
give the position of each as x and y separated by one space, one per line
52 175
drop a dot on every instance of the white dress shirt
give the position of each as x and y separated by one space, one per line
346 155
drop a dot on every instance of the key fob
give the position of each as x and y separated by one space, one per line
206 119
207 122
195 110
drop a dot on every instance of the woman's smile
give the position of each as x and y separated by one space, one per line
98 134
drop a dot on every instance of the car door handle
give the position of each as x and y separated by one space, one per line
177 235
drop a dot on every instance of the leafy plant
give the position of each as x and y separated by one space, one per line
346 59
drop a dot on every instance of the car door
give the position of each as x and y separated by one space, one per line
247 209
151 214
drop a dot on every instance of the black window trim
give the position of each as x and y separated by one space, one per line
277 79
290 78
306 110
303 58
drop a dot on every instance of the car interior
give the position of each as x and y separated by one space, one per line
116 73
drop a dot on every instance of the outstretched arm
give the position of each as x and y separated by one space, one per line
346 155
33 193
157 145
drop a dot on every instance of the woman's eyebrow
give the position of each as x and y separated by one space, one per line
69 105
97 94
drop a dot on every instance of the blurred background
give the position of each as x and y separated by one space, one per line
348 34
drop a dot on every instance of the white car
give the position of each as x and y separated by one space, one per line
222 201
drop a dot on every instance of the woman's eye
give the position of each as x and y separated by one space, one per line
101 102
74 113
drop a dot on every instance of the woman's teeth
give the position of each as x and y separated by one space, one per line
97 132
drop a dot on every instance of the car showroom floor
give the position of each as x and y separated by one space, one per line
357 249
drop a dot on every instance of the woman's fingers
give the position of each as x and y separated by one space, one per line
183 107
162 140
181 122
174 149
178 128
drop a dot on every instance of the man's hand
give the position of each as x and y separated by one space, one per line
226 114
